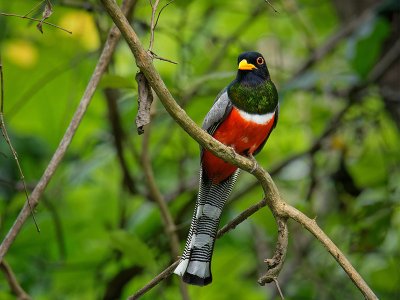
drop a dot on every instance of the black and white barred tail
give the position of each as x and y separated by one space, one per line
195 263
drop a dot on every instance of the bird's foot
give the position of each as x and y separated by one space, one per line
251 157
232 151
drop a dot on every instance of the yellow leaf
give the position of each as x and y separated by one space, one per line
83 28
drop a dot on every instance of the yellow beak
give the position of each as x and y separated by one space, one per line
244 65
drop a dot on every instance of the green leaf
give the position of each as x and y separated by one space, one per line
133 248
116 81
365 47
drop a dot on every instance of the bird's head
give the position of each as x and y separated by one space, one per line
252 67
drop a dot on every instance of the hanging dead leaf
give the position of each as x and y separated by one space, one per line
145 98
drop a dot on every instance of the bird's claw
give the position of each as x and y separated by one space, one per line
232 150
254 162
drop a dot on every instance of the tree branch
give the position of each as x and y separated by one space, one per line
119 134
34 19
15 287
276 204
58 155
275 264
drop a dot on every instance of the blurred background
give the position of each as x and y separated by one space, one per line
335 153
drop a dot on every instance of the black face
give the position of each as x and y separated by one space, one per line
259 65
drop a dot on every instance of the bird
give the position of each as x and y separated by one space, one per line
242 117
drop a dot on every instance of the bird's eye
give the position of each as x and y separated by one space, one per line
260 60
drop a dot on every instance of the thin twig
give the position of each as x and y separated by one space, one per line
35 19
34 8
275 264
278 288
156 280
10 145
269 3
152 23
58 155
161 58
241 217
159 13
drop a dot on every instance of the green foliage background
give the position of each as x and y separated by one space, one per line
93 228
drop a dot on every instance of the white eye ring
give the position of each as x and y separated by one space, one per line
260 60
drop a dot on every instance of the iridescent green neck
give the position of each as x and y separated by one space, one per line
261 98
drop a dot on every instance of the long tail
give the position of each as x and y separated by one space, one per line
195 264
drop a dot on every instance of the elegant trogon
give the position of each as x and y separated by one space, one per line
242 117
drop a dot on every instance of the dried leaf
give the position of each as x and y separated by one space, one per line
47 12
145 98
39 26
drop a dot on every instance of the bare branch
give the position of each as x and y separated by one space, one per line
34 8
279 289
119 135
13 283
100 68
275 263
152 23
159 13
269 3
153 55
34 19
13 151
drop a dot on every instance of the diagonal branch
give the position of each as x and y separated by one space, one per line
278 206
58 155
15 287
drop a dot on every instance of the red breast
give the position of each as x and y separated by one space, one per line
241 131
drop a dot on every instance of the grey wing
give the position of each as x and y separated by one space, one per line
218 112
